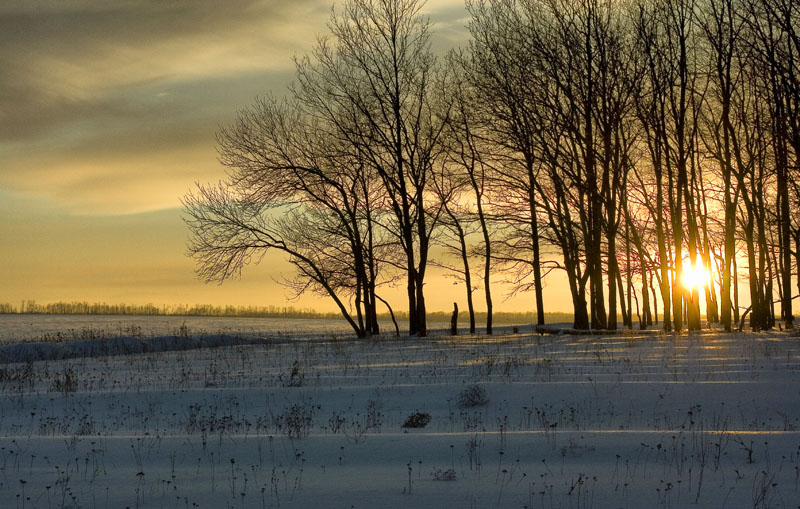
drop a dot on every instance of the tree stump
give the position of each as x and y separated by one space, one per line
454 321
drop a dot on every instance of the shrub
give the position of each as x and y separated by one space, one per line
65 384
295 378
472 396
296 421
417 420
374 417
444 475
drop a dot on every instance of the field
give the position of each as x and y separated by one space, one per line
633 420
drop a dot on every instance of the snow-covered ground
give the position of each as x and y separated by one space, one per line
634 420
24 328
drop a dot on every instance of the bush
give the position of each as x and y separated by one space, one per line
472 396
417 420
444 475
295 378
373 418
296 421
65 384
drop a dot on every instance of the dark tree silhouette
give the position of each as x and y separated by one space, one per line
373 79
292 188
629 144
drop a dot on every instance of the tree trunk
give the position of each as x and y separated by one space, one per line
613 277
662 253
422 325
467 274
784 223
537 264
735 290
628 274
391 314
625 311
647 317
654 307
487 266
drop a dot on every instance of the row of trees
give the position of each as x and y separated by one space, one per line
625 143
103 308
31 307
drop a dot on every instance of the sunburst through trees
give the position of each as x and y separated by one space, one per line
648 149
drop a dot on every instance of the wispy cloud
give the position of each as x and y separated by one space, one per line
111 107
97 92
108 111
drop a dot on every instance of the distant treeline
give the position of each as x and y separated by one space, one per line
102 308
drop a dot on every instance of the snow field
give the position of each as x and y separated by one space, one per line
634 420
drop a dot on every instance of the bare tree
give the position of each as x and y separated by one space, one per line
499 71
377 71
362 113
456 226
722 28
651 109
773 35
467 150
292 188
611 140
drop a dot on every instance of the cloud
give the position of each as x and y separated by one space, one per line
60 57
111 107
138 149
450 19
96 92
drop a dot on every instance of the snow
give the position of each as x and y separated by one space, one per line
122 345
216 420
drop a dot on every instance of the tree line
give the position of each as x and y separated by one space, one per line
31 307
102 308
627 144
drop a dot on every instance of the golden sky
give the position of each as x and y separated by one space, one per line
108 112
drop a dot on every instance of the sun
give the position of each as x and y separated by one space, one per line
694 276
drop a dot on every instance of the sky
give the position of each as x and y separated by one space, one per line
108 112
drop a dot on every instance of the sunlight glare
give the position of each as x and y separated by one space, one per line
695 276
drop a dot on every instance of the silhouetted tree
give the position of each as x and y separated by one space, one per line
374 80
467 149
499 70
291 187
